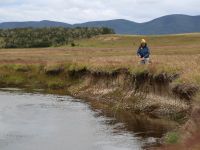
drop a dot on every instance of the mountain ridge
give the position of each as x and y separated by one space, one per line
169 24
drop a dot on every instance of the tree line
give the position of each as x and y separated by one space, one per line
47 37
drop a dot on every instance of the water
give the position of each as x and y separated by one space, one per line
51 122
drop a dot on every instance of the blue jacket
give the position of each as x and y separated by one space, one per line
143 52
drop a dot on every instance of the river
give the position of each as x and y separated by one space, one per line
34 121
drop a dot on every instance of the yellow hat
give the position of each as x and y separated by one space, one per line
143 41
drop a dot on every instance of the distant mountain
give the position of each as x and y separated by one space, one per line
171 24
120 26
33 24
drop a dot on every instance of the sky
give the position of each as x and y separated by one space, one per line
78 11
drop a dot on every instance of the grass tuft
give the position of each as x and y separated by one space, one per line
172 138
55 85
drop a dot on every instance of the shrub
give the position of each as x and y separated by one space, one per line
46 37
73 44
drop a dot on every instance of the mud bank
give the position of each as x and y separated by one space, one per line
142 92
155 95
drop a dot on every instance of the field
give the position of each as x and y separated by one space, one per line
170 53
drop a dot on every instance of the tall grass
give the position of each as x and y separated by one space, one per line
171 54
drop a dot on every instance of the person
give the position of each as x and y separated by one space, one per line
144 52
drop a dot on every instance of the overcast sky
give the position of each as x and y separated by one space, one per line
77 11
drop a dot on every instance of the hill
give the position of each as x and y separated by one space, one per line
120 26
33 24
171 24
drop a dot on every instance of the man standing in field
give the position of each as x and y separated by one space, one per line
144 52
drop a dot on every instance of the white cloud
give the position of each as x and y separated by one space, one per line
75 11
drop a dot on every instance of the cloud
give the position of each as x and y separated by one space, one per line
75 11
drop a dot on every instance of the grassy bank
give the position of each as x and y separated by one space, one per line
140 91
116 90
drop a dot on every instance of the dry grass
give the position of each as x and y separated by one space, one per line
175 53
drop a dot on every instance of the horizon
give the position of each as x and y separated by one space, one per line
18 21
79 11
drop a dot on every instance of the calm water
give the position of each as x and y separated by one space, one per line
51 122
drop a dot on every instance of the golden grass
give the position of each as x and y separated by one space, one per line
171 53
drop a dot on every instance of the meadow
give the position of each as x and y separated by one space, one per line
170 53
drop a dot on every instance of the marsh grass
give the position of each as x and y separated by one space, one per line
55 85
172 137
170 54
